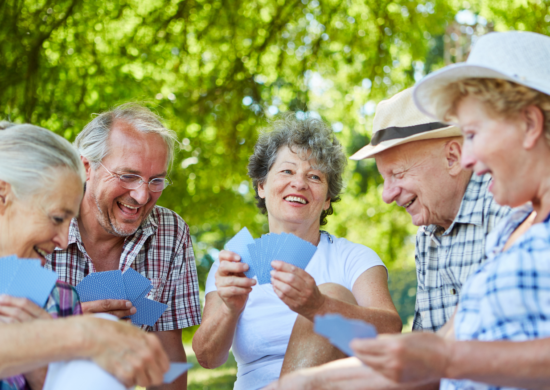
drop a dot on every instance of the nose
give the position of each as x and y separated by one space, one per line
390 191
61 239
299 182
468 159
141 194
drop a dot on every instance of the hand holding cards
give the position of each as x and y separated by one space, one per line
130 285
259 253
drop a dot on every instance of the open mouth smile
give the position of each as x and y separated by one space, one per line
42 253
128 209
296 199
409 204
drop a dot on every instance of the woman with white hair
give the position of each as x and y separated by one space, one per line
41 187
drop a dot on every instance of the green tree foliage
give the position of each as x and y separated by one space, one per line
218 70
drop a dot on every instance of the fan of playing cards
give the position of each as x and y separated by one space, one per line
259 253
25 278
130 286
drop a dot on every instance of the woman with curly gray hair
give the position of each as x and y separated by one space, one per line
296 170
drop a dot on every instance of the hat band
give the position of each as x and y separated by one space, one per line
395 132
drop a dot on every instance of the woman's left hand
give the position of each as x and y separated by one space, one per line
296 288
13 310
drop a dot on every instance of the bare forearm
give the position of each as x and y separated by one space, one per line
214 337
385 320
503 363
31 345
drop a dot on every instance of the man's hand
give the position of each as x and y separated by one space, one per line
409 358
116 307
296 288
13 310
232 284
133 356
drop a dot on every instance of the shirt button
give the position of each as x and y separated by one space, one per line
453 291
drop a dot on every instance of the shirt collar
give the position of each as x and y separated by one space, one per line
471 207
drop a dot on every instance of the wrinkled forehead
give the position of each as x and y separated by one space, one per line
300 155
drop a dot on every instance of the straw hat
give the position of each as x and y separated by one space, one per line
397 121
520 57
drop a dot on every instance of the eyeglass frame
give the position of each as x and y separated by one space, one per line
166 180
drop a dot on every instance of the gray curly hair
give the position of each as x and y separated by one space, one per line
301 136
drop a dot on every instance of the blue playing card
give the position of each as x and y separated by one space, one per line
239 244
33 282
135 284
148 312
341 331
8 269
92 289
296 251
112 280
175 370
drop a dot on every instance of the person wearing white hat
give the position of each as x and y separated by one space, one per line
500 98
419 159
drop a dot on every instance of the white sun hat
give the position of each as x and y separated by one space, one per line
398 121
520 57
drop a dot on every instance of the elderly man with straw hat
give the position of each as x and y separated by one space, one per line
419 160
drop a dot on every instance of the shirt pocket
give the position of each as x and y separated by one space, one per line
436 306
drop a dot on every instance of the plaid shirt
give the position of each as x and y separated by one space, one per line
63 302
445 259
509 297
161 250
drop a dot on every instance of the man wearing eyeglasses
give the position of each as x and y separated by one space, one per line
127 153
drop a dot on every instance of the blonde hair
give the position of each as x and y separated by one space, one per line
502 98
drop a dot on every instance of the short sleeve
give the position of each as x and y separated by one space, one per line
357 259
63 301
211 280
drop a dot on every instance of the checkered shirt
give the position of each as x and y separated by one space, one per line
161 250
445 259
62 302
508 298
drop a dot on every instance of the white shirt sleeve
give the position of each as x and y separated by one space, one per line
211 280
357 259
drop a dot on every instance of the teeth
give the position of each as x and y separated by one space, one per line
130 207
295 199
408 204
41 252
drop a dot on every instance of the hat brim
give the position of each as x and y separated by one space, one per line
423 91
369 151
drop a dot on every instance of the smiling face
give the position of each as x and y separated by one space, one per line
495 145
33 227
120 211
295 192
424 177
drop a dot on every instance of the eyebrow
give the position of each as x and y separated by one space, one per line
134 172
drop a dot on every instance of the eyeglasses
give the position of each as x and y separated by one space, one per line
132 182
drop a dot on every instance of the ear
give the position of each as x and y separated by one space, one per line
87 167
453 153
6 196
327 204
261 190
534 120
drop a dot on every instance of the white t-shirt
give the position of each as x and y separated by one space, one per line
265 325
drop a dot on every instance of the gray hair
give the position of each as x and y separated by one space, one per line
301 136
92 142
30 154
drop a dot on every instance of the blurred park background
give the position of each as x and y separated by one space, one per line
218 70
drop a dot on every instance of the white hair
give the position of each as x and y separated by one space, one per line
92 142
31 155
